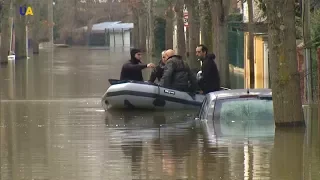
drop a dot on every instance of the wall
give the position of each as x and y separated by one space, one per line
116 39
258 61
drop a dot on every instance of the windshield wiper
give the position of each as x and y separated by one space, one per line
265 98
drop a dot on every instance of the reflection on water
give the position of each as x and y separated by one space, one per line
53 127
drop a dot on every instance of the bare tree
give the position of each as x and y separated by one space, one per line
20 31
194 30
5 31
50 21
151 44
135 31
181 42
206 24
35 26
139 12
219 16
169 14
250 43
89 12
142 27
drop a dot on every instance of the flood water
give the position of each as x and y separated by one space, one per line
52 126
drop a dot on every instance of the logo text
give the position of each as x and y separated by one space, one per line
26 11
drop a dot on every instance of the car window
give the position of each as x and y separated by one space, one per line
236 116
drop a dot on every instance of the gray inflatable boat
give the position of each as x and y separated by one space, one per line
144 95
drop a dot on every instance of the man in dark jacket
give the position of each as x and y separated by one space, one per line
210 80
131 70
157 72
177 74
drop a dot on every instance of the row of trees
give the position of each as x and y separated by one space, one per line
209 16
53 19
73 14
39 26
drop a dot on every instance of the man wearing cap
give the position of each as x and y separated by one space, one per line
132 69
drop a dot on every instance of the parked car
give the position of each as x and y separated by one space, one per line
237 113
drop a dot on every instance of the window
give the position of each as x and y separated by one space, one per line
243 115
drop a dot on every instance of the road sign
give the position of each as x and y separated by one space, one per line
185 16
185 20
185 8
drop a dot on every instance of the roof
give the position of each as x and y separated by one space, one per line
116 25
238 92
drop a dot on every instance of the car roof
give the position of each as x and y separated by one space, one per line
234 93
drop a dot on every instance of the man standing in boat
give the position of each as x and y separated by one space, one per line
210 80
177 74
132 70
157 72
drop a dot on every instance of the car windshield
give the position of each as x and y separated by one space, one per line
244 116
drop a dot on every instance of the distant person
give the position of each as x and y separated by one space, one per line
158 71
210 80
177 74
132 70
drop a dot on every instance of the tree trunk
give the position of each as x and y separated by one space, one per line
181 42
194 37
90 24
283 63
20 32
35 27
142 31
219 13
187 41
250 47
5 32
50 22
151 45
206 24
135 31
169 27
89 29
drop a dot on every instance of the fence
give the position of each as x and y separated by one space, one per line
315 57
236 48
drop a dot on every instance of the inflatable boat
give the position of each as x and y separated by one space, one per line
145 95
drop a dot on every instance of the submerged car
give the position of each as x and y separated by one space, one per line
239 113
